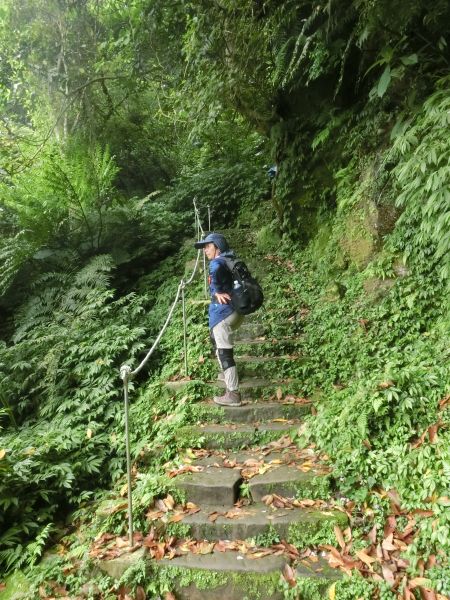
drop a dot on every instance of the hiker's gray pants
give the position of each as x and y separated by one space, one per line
223 334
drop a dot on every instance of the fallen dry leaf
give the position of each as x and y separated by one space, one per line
332 591
368 560
289 575
339 536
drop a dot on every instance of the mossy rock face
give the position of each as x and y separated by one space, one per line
17 587
268 239
359 241
377 288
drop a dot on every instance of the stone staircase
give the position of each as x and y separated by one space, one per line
235 502
261 501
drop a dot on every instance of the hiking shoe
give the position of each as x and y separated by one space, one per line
221 376
228 399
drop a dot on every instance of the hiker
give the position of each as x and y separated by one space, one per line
223 319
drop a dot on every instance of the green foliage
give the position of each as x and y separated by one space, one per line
422 179
61 377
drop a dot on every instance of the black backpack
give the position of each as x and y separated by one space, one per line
246 295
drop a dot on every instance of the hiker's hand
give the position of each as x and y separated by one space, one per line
223 298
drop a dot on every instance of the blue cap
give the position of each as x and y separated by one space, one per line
217 239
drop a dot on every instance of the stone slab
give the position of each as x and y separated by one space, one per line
254 411
284 481
228 436
213 486
258 519
227 562
116 567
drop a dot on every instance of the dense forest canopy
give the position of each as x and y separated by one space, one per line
114 117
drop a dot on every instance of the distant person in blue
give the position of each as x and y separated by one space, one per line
223 319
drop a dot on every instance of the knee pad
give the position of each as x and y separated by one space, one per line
226 358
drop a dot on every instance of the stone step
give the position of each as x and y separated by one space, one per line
213 486
272 326
289 481
253 411
283 366
236 436
250 387
220 484
269 345
234 576
258 519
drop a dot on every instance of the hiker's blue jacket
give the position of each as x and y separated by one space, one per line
220 280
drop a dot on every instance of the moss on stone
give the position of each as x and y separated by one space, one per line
318 531
17 587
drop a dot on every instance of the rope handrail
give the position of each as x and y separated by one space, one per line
126 373
125 370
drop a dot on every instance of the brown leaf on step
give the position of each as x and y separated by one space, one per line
153 515
204 548
306 502
175 518
366 559
387 543
214 516
402 563
444 402
158 550
160 505
169 596
221 546
229 464
428 594
339 536
267 499
236 514
432 432
419 582
184 469
289 575
278 503
140 593
390 525
260 553
431 562
373 535
388 574
290 549
395 501
192 507
423 513
407 594
384 385
122 542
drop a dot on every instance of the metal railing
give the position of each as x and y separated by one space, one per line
126 373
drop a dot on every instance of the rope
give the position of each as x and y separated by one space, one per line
126 373
125 370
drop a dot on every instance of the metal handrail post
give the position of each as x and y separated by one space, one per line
125 374
183 304
209 218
